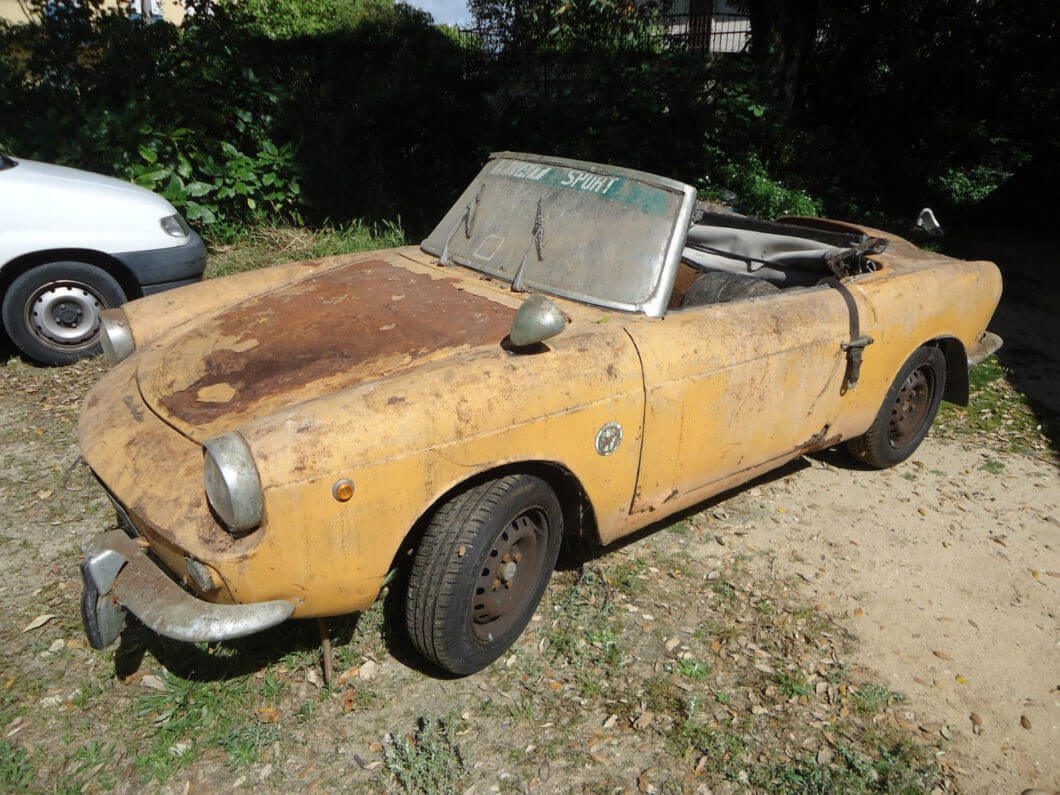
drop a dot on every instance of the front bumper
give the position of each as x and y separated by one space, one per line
118 576
988 344
161 269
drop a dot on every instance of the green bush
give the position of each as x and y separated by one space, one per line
178 110
757 192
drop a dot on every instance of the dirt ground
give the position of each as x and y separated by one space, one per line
948 575
823 629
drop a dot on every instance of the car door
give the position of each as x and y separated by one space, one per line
732 387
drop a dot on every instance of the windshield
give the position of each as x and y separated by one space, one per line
599 234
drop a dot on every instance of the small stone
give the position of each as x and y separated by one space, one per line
153 682
644 721
369 669
825 756
672 643
1025 722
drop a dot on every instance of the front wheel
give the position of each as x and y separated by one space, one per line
52 312
479 572
907 412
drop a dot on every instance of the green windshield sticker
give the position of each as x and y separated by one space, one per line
630 192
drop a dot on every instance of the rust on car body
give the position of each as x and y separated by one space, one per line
341 327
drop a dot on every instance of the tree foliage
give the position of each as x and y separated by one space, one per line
288 109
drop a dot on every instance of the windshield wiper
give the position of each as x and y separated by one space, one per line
468 220
537 240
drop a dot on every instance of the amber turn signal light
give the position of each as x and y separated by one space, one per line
342 490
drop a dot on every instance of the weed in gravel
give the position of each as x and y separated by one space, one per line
584 635
993 466
428 761
628 575
244 743
693 669
188 717
793 684
16 773
872 698
724 749
899 767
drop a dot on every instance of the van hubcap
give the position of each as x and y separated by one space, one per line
65 315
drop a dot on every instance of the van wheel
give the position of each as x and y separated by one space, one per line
907 412
480 570
52 312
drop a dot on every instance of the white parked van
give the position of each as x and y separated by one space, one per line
72 244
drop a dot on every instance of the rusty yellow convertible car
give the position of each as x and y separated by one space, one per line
575 351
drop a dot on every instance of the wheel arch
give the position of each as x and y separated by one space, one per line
579 517
24 263
957 387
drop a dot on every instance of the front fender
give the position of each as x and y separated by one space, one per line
408 441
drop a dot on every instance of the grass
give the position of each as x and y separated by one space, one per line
872 698
429 761
997 413
263 246
16 773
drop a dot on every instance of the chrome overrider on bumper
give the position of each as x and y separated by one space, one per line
119 576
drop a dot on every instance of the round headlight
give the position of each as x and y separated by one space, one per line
115 335
232 483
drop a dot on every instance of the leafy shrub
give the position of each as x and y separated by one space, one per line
757 193
179 110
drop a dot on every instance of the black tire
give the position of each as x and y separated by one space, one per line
51 313
907 412
460 611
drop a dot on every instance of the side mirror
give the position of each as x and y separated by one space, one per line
537 320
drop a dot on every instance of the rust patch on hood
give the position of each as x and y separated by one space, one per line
337 329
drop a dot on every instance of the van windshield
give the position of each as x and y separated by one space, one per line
590 232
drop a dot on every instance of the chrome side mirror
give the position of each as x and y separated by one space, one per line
537 320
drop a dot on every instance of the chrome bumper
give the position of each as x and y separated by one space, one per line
989 343
118 576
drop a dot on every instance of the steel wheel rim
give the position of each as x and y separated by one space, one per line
65 315
911 407
509 575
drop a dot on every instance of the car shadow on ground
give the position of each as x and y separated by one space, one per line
247 656
1028 317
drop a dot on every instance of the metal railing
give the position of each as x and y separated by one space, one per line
710 33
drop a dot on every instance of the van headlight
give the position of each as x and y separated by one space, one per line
175 226
115 335
232 483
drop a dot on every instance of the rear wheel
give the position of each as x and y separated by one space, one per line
907 412
479 572
52 312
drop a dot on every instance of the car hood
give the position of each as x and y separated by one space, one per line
73 179
340 328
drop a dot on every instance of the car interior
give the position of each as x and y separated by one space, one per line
730 257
